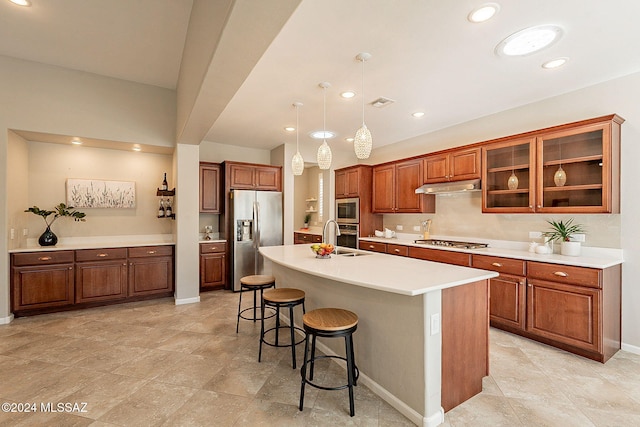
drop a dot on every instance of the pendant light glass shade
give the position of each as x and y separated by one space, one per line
560 177
297 162
362 142
324 151
512 182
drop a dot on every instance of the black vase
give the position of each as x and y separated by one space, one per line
48 238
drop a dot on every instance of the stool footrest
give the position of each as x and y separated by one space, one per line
258 310
281 345
322 387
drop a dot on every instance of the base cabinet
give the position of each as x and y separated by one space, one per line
507 301
213 266
302 238
49 281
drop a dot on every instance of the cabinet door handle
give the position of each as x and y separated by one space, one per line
44 258
70 268
151 252
539 206
496 264
561 274
103 255
371 246
530 285
397 250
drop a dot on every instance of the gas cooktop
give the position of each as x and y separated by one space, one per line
451 243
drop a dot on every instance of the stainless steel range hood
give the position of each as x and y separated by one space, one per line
450 187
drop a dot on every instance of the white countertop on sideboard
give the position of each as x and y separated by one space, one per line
98 242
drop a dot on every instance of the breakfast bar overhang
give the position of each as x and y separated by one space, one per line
422 340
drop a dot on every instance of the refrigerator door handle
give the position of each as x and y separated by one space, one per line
256 225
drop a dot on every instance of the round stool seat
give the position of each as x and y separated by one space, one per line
257 280
330 319
283 295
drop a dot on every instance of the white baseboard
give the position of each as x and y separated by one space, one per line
6 320
181 301
433 421
631 348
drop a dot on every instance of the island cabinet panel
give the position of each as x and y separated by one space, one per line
150 270
210 185
437 255
373 246
565 314
453 166
101 274
302 238
394 186
213 266
465 342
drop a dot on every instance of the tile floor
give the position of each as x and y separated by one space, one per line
153 363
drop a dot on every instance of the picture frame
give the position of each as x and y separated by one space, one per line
94 193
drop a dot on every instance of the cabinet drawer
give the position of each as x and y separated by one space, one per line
501 265
43 258
149 251
437 255
211 248
307 238
373 246
397 249
582 276
101 254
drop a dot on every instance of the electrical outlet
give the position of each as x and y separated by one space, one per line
535 234
578 237
416 228
399 227
435 324
25 232
13 233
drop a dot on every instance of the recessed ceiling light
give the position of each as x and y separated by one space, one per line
348 94
289 128
418 114
483 13
319 134
26 3
136 147
555 63
529 40
350 139
76 142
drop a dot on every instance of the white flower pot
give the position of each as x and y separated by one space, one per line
570 248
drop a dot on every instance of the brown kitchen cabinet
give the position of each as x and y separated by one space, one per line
150 270
373 246
589 153
101 274
456 165
348 181
507 292
41 280
439 255
394 186
210 188
213 265
302 238
248 176
401 250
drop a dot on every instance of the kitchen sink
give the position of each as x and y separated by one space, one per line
347 252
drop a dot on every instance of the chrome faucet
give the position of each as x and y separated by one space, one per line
324 231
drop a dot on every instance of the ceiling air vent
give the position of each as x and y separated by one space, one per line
382 102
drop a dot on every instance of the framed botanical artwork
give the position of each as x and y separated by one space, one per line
93 193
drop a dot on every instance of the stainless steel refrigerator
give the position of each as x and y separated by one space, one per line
256 220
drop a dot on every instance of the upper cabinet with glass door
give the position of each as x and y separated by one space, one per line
578 168
572 168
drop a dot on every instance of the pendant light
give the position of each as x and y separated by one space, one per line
512 182
297 162
324 151
362 143
560 177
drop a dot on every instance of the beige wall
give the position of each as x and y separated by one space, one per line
50 165
18 190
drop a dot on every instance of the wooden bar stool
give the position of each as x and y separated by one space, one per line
255 283
282 298
330 323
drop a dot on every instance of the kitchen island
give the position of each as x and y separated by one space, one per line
422 338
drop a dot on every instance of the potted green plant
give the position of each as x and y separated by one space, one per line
561 231
48 238
307 218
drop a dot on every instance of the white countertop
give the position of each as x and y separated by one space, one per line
213 241
591 257
98 242
400 275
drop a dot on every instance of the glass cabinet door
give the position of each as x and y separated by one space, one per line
574 169
508 176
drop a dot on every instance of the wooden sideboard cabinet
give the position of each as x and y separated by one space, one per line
213 266
101 274
150 270
41 280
